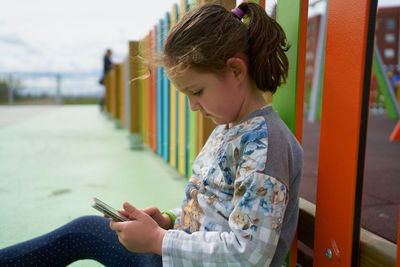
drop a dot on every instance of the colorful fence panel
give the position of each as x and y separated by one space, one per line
173 106
182 140
160 91
134 96
142 85
153 91
120 79
166 96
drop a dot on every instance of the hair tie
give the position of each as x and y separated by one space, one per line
238 13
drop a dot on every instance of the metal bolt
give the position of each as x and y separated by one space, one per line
328 253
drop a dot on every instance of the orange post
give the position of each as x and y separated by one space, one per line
344 117
395 136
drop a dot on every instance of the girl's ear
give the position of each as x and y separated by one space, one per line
237 66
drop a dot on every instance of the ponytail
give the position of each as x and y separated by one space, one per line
208 35
268 64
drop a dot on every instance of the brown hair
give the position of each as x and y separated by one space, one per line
207 36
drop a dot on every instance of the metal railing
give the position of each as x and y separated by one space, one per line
26 85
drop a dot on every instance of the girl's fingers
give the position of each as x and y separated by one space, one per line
124 213
133 212
115 226
151 210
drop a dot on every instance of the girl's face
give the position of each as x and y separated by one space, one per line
217 97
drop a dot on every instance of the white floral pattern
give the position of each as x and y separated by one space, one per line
228 189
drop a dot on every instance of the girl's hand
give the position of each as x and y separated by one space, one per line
142 234
163 220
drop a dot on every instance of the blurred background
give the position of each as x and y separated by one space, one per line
57 47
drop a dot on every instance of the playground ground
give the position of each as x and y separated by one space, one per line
53 160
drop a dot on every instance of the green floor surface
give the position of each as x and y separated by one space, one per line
54 160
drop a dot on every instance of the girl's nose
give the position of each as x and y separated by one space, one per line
193 104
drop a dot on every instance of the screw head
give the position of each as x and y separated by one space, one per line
328 253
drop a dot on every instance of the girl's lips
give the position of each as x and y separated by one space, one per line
205 114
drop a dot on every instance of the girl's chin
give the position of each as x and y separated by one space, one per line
219 121
205 114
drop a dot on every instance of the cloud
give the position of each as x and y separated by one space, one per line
12 40
72 35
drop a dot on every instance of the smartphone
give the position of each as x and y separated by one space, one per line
109 211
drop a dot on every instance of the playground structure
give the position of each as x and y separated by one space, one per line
158 117
384 95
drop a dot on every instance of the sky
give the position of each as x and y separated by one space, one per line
72 35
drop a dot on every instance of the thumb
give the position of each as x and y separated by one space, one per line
133 212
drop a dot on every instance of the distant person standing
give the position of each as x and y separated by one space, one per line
107 66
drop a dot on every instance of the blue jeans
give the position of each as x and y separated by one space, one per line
88 237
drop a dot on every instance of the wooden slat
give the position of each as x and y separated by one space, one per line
173 103
112 92
153 89
374 250
228 4
148 94
120 88
133 87
143 92
134 96
107 102
166 96
182 116
159 88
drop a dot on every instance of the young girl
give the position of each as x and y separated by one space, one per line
241 205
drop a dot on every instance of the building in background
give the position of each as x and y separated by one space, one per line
311 46
387 36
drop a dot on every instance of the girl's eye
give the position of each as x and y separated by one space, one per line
198 93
